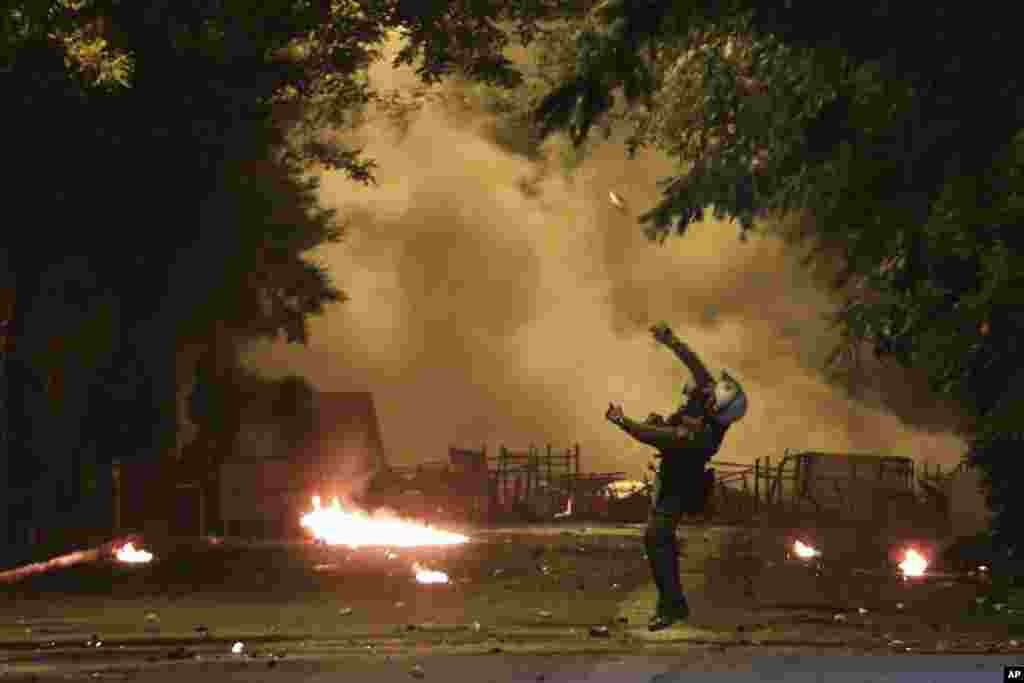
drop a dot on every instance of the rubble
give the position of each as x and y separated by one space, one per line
237 648
345 611
599 632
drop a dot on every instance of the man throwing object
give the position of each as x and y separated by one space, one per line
686 442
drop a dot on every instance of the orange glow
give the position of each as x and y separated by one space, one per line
428 575
336 526
128 553
804 551
913 564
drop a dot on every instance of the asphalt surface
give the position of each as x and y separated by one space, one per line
538 604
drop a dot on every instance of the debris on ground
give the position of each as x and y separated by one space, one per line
237 648
345 611
399 604
861 611
599 632
476 626
899 605
839 617
417 671
544 614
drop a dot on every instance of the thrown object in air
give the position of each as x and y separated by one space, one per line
617 201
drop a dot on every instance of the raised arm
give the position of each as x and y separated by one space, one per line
662 437
690 359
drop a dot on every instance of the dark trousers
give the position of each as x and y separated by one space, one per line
662 548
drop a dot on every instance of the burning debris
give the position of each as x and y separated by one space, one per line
914 564
336 526
130 555
804 551
428 576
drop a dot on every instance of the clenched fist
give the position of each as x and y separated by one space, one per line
662 333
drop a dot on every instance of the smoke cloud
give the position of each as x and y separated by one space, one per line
493 301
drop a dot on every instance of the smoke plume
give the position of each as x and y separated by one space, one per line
494 301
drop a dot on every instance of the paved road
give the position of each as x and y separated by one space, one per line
535 598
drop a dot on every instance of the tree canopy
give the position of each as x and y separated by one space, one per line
895 129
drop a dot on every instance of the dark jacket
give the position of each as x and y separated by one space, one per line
687 441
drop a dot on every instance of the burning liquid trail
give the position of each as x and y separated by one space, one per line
336 526
128 553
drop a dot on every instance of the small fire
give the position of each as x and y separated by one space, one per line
913 564
804 551
128 553
428 575
336 526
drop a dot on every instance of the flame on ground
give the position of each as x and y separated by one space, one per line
128 553
804 551
428 575
336 526
913 564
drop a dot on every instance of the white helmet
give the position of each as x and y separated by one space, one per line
730 400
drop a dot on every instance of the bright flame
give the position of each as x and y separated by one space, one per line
428 575
128 553
336 526
914 563
804 551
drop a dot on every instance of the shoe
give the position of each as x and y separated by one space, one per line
666 618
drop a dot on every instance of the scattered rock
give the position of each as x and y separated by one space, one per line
417 672
616 586
237 648
599 632
345 611
1014 643
476 627
861 611
899 605
839 617
544 614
